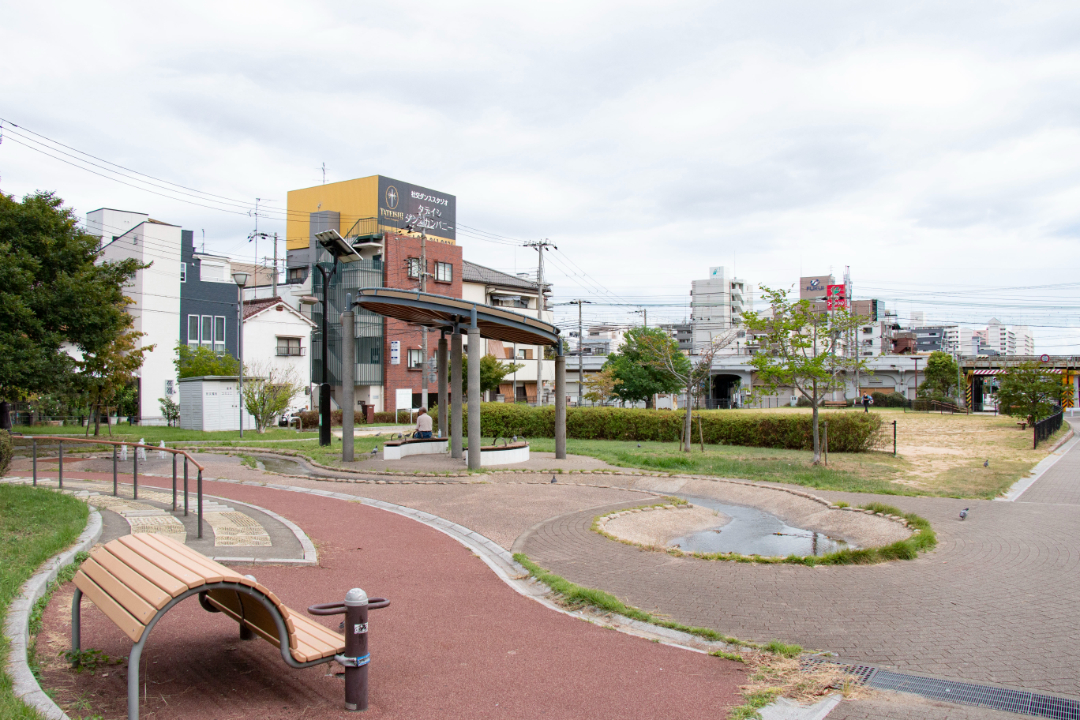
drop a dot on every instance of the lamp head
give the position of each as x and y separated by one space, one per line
309 300
240 278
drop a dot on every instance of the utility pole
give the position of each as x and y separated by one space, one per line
540 246
644 312
424 372
274 278
580 353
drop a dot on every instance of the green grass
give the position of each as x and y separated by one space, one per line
778 648
727 656
754 702
35 524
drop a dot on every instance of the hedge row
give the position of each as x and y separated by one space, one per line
848 432
7 449
310 418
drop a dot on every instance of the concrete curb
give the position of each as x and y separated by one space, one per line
1057 452
17 626
784 709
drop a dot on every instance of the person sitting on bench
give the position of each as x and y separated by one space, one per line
423 424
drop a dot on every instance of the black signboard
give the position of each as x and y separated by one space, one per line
403 204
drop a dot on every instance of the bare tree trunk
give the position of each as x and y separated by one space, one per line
687 426
817 437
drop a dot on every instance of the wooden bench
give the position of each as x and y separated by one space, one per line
835 403
1022 423
134 580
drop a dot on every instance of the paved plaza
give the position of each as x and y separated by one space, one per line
995 603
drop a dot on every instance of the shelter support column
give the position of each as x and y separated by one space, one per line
560 405
455 392
474 397
348 371
442 357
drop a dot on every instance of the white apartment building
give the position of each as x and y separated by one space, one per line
484 285
717 304
156 295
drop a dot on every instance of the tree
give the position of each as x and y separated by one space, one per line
549 352
109 369
601 385
801 349
492 373
638 377
693 374
1028 391
268 392
942 375
201 361
52 291
169 409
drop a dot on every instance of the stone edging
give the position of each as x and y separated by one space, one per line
17 626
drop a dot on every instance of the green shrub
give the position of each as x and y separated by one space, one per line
6 450
848 432
311 418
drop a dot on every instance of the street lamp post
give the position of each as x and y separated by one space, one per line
240 278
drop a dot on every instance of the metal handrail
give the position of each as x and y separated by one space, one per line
61 439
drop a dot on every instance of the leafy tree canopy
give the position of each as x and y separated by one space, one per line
52 291
639 365
1028 391
941 377
201 361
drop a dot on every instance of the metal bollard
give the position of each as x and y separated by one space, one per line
174 482
115 483
199 488
135 476
61 464
185 487
356 657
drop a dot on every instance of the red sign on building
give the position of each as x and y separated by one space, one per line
835 297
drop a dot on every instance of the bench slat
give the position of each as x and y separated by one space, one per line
127 598
319 631
120 617
146 589
198 561
147 569
181 573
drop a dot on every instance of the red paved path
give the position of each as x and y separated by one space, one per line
455 643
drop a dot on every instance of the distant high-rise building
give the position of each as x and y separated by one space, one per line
717 304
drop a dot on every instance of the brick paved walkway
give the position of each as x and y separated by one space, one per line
1060 485
996 602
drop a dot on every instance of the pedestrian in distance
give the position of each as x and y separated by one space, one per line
867 401
423 424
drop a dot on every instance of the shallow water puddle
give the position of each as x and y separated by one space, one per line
755 532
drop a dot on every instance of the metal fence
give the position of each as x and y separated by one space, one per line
1045 428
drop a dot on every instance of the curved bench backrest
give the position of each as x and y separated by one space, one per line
133 577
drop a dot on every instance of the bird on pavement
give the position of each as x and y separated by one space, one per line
963 513
553 479
515 438
986 462
375 451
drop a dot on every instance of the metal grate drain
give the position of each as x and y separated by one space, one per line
1016 701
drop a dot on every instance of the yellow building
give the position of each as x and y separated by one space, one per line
371 205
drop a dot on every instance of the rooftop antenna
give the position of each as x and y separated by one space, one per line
324 173
204 240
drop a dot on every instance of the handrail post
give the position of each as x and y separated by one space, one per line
135 476
115 484
34 442
174 482
61 464
200 502
185 487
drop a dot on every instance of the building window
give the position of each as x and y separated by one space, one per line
193 329
219 334
206 337
444 272
183 272
413 265
296 275
289 346
416 359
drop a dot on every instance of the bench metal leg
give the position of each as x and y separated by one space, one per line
133 677
76 623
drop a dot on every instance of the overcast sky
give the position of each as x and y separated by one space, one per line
932 147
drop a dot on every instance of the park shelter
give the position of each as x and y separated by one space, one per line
454 318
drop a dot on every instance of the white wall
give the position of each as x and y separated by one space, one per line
156 308
261 334
107 223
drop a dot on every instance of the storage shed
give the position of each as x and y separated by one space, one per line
212 403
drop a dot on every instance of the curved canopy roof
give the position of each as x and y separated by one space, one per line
439 311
